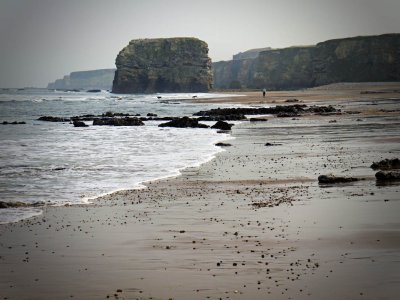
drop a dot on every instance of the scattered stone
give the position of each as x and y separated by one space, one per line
223 145
222 125
387 175
292 100
184 122
386 164
272 144
152 115
329 179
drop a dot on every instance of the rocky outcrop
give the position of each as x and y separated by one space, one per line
19 204
222 125
53 119
386 164
184 122
163 66
118 122
387 176
238 113
357 59
85 80
332 179
79 124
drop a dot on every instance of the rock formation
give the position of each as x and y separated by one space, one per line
357 59
85 80
163 65
184 122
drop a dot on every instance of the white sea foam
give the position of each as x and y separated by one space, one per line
57 164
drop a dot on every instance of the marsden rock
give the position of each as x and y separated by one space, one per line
118 121
184 122
163 66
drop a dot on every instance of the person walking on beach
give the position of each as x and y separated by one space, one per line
264 92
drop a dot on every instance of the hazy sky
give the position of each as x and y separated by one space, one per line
42 40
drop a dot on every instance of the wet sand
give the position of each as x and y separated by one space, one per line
253 223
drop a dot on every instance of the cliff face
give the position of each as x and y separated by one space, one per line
163 65
95 79
358 59
362 59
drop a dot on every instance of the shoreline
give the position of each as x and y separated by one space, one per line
252 223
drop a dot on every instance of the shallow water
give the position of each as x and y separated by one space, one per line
57 163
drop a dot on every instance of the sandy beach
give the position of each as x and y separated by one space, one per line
253 223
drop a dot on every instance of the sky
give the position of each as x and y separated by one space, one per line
42 40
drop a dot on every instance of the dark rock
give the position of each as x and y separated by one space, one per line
287 115
386 164
4 204
13 123
118 121
237 117
272 144
223 145
79 124
183 123
387 176
111 114
292 100
258 120
151 115
93 91
53 119
222 125
324 110
163 66
241 111
329 179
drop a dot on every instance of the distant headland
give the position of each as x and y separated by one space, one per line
85 80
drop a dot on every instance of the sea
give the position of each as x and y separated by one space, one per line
58 164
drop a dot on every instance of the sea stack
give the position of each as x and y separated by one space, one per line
170 65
